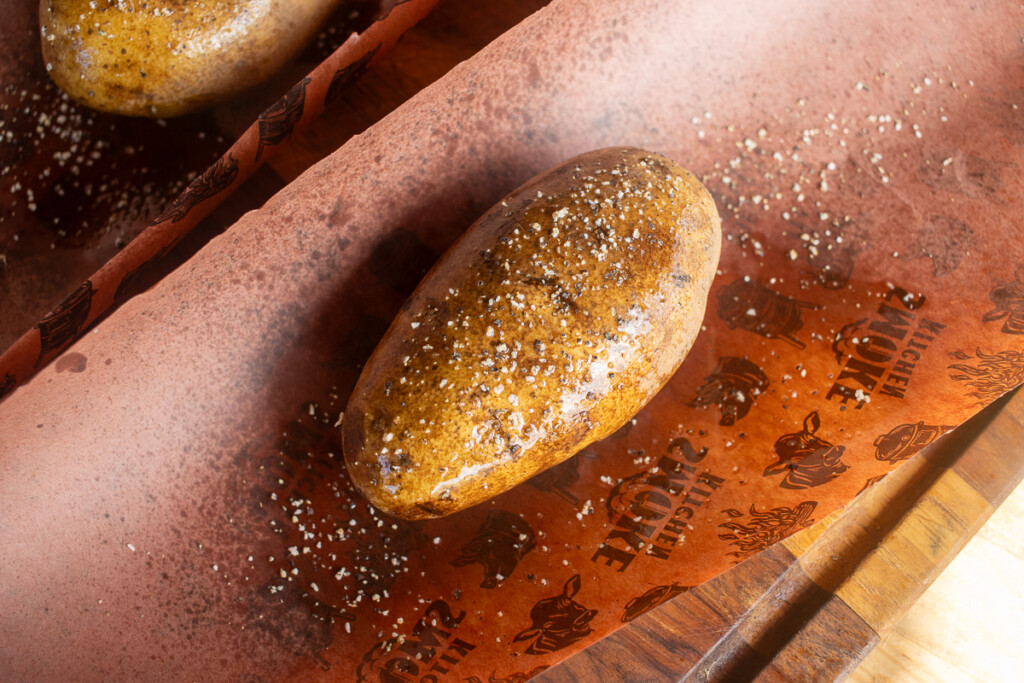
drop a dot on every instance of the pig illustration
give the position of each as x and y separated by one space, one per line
833 254
835 267
1008 298
755 308
732 386
498 545
559 478
807 460
558 622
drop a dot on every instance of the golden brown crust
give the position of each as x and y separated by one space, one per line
547 326
170 57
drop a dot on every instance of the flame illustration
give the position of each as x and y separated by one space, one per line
764 528
993 376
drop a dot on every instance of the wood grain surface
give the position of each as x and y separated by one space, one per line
967 624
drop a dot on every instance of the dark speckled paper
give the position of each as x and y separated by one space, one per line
175 504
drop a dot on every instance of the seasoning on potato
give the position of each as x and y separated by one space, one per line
166 57
547 326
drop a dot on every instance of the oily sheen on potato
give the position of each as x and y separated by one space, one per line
167 57
548 325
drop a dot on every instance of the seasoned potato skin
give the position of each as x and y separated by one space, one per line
548 325
165 58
